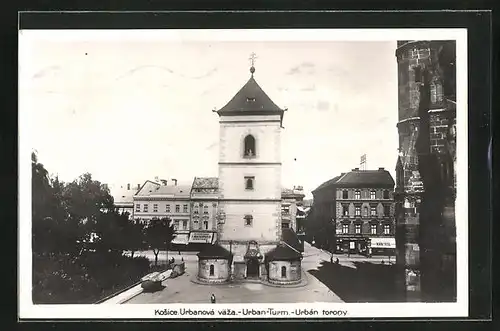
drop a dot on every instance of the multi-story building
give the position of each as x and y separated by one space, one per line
354 213
155 200
321 220
293 212
204 204
200 224
425 175
291 199
364 213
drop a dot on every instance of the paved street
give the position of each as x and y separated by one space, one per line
354 279
182 290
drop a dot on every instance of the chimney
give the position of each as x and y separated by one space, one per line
138 186
128 187
156 179
175 181
380 169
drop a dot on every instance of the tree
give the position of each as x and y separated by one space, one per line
133 234
159 234
41 189
117 232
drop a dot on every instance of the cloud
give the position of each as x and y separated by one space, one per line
304 67
141 68
212 146
383 119
323 105
309 88
208 74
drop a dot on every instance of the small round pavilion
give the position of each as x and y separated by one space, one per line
214 265
284 261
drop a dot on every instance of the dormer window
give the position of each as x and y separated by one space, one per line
250 99
249 148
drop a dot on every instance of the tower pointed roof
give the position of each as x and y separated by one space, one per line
251 100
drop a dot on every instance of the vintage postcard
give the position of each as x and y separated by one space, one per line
176 174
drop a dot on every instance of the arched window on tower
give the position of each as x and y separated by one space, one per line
249 149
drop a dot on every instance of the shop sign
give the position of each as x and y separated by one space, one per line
201 237
383 242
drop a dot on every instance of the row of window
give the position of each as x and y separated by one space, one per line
145 208
373 229
196 225
357 194
373 210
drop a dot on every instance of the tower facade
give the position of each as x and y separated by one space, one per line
250 179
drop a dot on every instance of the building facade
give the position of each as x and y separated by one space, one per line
293 212
291 201
364 213
320 226
201 223
155 200
425 175
204 207
354 213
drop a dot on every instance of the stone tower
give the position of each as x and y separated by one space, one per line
425 164
250 178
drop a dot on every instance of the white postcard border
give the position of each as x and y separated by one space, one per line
384 310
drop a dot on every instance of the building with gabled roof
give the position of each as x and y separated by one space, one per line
158 200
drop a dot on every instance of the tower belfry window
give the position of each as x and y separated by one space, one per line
249 149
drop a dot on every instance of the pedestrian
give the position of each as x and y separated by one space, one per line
212 298
182 259
331 258
337 261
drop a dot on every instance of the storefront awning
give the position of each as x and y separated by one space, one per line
387 242
201 237
181 239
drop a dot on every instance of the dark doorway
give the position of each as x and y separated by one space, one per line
252 268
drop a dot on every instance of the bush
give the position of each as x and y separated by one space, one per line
83 279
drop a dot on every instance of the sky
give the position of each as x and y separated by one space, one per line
128 110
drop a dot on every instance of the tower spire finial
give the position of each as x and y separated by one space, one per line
252 59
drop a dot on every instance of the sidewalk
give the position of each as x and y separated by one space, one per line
131 292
